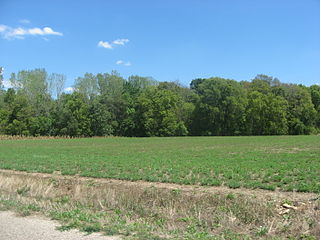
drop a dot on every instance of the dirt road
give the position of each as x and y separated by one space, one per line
13 227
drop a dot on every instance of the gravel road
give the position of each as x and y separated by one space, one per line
13 227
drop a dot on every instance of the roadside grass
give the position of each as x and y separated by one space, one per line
127 225
133 226
137 211
287 163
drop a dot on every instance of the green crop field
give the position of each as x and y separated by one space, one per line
289 163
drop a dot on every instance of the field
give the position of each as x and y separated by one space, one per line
288 163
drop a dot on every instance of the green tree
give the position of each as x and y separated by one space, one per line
133 88
56 84
87 85
301 112
186 104
114 99
19 114
158 113
315 98
41 126
266 114
100 118
220 109
136 84
3 120
33 84
71 118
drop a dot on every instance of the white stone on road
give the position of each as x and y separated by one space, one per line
13 227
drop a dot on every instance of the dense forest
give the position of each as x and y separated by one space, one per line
109 105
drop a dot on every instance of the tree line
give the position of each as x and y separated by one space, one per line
110 105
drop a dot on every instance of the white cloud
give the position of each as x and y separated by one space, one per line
25 21
104 44
3 28
35 31
120 62
19 32
69 90
111 45
49 31
44 31
120 41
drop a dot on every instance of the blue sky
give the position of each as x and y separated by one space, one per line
168 40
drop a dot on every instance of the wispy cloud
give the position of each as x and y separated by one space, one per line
120 62
104 44
25 21
111 45
3 28
20 32
121 41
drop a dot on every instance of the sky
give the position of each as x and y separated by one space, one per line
169 40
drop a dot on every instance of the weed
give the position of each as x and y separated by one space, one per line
230 196
307 237
23 191
262 231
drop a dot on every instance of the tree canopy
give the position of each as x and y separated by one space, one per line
107 104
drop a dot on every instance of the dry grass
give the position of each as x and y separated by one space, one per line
174 207
22 137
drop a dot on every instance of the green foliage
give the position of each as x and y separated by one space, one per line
56 84
19 115
315 97
107 104
220 109
100 118
87 85
72 116
158 111
266 114
301 112
32 83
